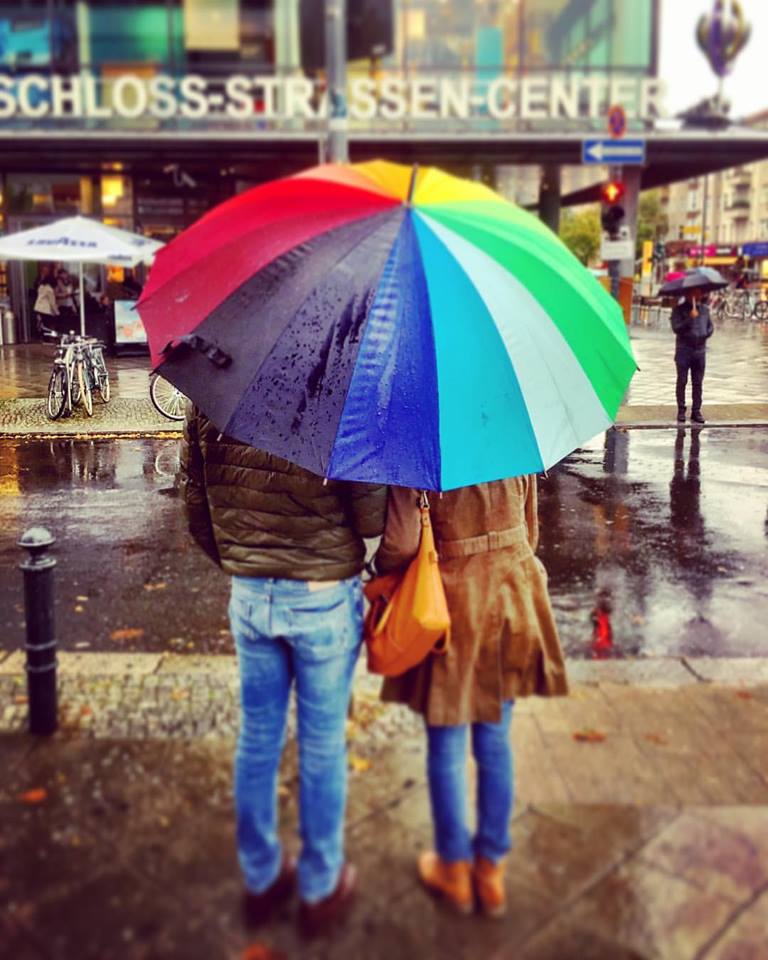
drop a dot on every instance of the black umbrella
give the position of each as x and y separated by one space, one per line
704 279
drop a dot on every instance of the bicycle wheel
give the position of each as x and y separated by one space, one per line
57 393
85 387
74 388
760 311
101 377
166 399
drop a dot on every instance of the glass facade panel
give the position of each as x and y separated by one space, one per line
38 35
540 35
217 37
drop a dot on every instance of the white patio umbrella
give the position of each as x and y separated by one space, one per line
79 240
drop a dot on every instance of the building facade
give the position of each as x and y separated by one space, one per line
145 113
722 218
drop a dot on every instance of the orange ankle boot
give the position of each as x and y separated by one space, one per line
452 882
489 886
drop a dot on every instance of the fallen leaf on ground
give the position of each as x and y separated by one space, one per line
79 608
127 633
359 764
34 796
744 695
160 585
85 711
20 698
657 739
179 694
82 599
588 736
260 951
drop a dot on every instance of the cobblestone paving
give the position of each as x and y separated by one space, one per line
198 705
28 418
661 731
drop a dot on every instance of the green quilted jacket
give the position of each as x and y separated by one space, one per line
257 515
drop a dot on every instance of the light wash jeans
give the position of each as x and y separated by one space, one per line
447 774
290 631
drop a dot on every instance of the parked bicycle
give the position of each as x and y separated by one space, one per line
168 400
733 304
79 371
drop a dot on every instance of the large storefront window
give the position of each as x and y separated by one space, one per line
48 194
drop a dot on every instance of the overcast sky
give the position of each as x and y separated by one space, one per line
687 72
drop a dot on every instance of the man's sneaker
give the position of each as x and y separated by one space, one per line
258 907
681 415
697 417
451 882
321 916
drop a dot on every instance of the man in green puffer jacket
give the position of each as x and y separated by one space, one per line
293 544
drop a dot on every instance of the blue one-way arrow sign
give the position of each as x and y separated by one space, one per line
603 150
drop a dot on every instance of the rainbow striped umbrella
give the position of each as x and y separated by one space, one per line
390 324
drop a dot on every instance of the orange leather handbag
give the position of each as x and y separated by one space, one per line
408 616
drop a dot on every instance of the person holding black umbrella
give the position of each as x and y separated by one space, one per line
693 326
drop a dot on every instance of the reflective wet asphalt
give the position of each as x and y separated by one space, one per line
655 542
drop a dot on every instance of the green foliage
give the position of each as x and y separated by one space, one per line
652 222
580 232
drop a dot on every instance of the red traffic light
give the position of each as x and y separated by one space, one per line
612 191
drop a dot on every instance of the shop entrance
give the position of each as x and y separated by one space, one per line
22 276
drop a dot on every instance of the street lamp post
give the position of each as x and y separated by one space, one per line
336 69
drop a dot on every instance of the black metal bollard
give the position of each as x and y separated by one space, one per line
41 642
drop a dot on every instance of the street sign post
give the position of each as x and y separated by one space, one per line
603 150
621 247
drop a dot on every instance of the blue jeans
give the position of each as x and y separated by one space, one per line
447 774
286 632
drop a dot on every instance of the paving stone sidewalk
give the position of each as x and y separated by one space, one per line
641 828
634 415
132 416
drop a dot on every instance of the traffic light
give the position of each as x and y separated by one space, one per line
612 213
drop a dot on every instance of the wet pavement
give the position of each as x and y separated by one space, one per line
128 575
640 832
737 363
655 542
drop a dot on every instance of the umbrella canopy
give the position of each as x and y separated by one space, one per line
79 240
705 279
374 322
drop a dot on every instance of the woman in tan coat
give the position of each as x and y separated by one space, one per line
504 645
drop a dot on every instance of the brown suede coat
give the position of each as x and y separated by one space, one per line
504 641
